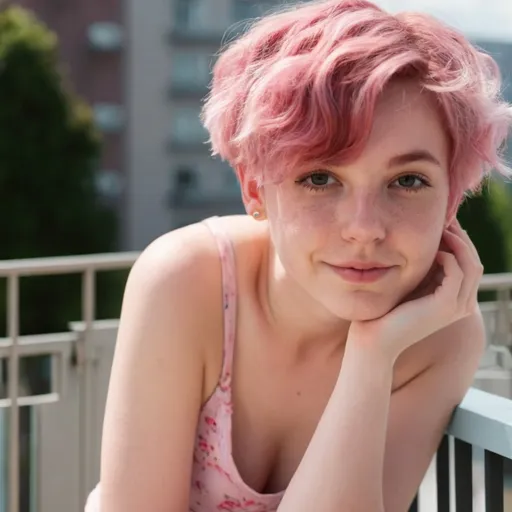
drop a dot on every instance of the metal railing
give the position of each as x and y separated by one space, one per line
13 270
482 423
62 346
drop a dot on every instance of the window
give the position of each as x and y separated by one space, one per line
192 15
185 183
186 126
185 189
109 118
247 9
109 183
105 36
190 69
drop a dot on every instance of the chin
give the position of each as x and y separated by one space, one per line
361 310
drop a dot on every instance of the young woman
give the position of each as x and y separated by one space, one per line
308 356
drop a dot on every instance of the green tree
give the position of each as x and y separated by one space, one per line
502 210
480 216
485 217
49 149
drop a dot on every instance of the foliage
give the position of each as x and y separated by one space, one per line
482 216
49 149
486 218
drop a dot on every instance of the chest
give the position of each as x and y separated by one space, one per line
277 404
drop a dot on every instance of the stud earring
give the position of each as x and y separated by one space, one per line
256 214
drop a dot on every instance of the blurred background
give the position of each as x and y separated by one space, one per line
101 151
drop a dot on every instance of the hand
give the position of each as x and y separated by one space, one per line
449 294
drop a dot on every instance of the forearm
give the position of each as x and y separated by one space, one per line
342 469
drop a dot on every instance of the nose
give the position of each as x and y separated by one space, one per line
363 221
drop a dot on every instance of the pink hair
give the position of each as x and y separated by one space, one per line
300 88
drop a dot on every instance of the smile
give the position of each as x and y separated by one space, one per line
361 275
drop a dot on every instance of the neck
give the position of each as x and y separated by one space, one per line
292 313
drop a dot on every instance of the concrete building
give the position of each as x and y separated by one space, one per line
173 181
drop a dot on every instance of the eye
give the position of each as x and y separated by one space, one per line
411 182
319 180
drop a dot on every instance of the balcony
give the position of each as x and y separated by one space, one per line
467 473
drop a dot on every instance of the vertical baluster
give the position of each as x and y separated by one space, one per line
14 411
504 318
443 476
494 483
463 476
88 314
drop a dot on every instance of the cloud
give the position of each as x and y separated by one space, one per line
488 19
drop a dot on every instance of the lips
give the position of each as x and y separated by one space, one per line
362 272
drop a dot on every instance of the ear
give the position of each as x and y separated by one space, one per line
252 192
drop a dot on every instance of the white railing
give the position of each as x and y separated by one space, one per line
68 420
13 270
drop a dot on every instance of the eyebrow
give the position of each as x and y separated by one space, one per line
419 155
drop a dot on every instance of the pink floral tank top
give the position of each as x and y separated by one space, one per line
216 483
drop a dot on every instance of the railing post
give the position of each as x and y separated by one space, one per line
494 484
14 411
504 318
84 367
463 476
443 475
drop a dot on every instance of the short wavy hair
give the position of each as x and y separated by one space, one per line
299 89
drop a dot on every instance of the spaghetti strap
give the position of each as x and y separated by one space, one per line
229 295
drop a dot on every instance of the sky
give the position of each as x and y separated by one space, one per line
487 19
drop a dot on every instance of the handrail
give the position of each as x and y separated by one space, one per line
67 264
484 420
491 282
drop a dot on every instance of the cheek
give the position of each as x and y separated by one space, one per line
422 215
298 221
417 233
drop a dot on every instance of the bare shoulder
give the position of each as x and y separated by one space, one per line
461 341
182 268
172 308
193 249
175 257
179 276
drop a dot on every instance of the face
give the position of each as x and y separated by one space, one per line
359 238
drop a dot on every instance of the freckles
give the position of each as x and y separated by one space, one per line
321 212
397 214
427 213
312 215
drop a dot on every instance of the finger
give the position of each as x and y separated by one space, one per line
450 287
470 266
473 298
472 303
459 231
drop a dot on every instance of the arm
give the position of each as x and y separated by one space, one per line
155 389
341 470
370 452
421 410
